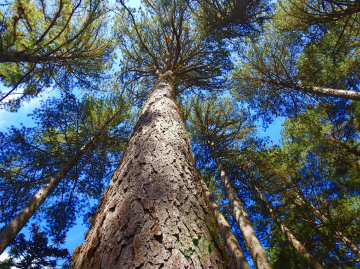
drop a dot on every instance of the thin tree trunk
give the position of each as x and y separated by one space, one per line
340 93
11 230
226 233
344 94
153 213
299 247
251 241
325 221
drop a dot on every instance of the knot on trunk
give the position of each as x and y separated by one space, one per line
166 75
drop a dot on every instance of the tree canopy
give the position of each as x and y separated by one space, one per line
236 67
52 43
35 252
31 156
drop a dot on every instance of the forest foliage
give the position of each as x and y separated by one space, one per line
237 65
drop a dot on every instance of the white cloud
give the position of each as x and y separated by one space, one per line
4 256
8 119
134 3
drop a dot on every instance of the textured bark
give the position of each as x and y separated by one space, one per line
153 213
325 221
251 241
11 230
226 233
299 247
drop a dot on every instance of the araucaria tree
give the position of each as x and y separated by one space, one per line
154 213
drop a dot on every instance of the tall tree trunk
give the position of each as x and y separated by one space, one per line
11 230
153 213
226 233
299 247
325 221
251 241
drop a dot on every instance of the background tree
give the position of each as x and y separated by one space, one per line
218 123
230 241
329 147
35 252
305 13
289 67
311 187
85 138
228 134
51 43
230 19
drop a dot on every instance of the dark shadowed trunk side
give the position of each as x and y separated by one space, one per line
251 241
230 241
153 213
